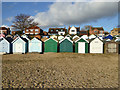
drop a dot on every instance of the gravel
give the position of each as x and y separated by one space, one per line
60 70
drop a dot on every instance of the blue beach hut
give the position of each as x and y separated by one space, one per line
5 45
35 45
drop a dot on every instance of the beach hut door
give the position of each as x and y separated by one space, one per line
19 47
81 47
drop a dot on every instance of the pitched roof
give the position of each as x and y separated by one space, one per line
44 38
94 38
54 30
83 39
25 40
67 39
9 39
51 38
99 28
78 28
76 38
35 27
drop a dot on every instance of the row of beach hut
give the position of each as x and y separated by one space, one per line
81 45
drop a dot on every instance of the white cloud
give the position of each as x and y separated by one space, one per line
9 19
61 13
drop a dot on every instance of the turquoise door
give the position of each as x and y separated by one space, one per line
66 46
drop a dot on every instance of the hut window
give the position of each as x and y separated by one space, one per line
57 30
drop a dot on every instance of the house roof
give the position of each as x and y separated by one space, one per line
83 32
44 38
35 27
99 28
54 30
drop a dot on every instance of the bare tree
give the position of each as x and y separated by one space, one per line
23 21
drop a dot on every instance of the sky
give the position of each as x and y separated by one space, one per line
64 14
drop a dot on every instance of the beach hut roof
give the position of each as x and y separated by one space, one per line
51 38
75 39
67 39
95 38
25 40
83 39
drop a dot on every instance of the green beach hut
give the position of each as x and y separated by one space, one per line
66 45
81 45
50 45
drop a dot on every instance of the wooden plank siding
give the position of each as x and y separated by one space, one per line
111 47
66 46
50 45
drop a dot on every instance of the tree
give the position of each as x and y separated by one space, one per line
23 21
87 27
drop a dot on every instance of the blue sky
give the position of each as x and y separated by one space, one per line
46 13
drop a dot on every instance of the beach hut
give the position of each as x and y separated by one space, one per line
111 47
76 36
92 36
117 40
53 36
66 45
35 45
20 45
107 40
75 39
81 45
108 37
60 37
68 35
51 45
118 47
5 45
96 45
84 36
26 37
